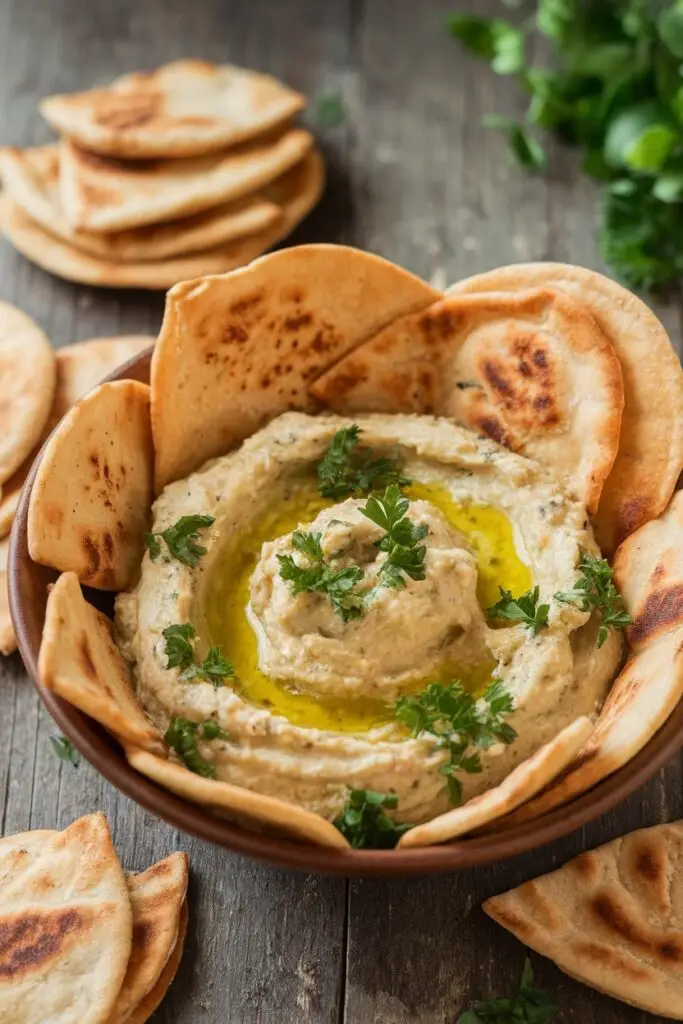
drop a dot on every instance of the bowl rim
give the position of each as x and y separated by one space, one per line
102 751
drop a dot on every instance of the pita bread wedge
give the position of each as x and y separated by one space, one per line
91 495
249 342
533 371
183 108
66 923
612 918
521 784
254 808
31 179
98 194
296 192
650 456
80 368
80 662
643 696
8 640
27 383
648 568
157 897
146 1007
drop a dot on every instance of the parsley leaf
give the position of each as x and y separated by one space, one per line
524 609
529 1004
364 822
337 584
349 470
183 736
179 649
214 669
329 110
180 539
460 722
525 149
65 750
493 39
180 653
405 555
595 589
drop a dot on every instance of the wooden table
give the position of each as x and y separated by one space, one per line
416 178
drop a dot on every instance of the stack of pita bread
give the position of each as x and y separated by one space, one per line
81 940
188 170
40 385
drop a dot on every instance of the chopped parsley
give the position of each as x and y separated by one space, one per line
365 823
180 539
595 590
405 555
349 470
319 577
184 735
529 1004
329 110
65 750
524 609
461 723
180 653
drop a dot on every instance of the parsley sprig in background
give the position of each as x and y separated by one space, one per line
612 86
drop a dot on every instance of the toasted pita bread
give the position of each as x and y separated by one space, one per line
27 383
648 568
650 456
296 192
249 342
157 897
8 640
31 179
146 1007
91 496
254 808
66 923
97 194
80 662
533 371
183 108
643 696
80 368
521 784
611 918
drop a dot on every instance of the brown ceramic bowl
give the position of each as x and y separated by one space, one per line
28 594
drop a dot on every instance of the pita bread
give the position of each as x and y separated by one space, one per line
611 918
249 342
66 923
648 568
643 696
27 383
8 640
157 897
80 368
533 371
31 179
650 456
254 808
80 662
298 191
524 782
183 108
146 1007
98 194
92 493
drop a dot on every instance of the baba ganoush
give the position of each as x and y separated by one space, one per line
292 626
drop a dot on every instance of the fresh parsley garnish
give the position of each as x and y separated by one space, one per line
180 653
348 469
461 722
329 110
65 750
319 577
595 589
524 608
613 88
183 736
180 539
365 823
529 1004
405 555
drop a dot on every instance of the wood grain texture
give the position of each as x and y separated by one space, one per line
415 177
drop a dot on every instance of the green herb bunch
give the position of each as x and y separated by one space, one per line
180 653
317 576
365 823
183 736
595 589
180 540
529 1005
348 469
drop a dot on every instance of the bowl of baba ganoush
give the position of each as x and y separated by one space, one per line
358 576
